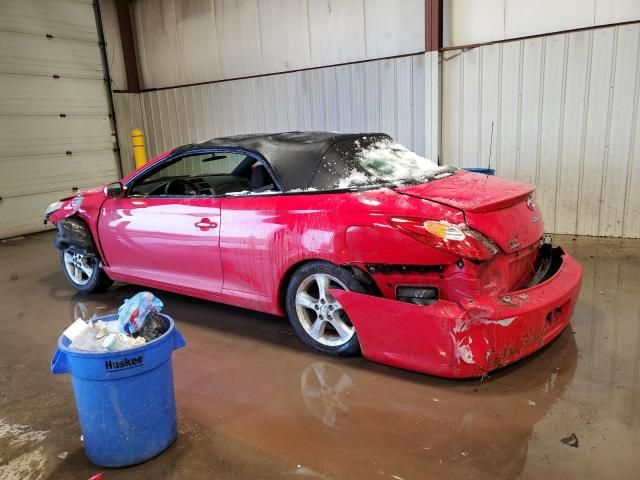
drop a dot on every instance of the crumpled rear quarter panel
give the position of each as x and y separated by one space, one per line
469 339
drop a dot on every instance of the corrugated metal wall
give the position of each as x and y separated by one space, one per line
190 41
128 112
55 129
468 22
560 112
382 95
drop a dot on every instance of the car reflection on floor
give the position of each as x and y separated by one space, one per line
327 391
245 375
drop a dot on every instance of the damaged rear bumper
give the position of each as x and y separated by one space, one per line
470 339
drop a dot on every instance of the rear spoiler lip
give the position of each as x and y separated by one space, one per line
445 192
499 203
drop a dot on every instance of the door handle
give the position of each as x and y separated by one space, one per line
205 224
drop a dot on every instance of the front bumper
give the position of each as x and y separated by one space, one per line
469 339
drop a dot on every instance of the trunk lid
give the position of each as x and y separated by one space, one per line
497 207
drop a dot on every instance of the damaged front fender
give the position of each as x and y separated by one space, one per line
73 232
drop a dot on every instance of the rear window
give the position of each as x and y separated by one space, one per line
370 161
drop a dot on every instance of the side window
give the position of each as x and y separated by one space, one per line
198 175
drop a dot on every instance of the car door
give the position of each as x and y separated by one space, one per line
165 230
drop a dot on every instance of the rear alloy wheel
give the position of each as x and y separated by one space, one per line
83 271
316 316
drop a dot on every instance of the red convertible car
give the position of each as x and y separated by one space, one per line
364 245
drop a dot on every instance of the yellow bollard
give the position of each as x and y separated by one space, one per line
139 153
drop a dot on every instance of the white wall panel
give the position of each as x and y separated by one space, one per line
330 99
404 102
372 96
343 89
388 102
419 86
553 66
238 33
194 41
612 11
115 57
156 33
565 116
336 31
451 108
45 95
284 34
316 89
530 112
37 55
54 111
128 112
490 86
631 225
357 95
23 135
55 172
620 159
468 22
509 101
393 27
69 19
197 40
23 214
471 97
524 17
594 164
573 131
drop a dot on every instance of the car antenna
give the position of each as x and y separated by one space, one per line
490 144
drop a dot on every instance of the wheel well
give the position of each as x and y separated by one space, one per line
361 275
75 231
366 280
286 278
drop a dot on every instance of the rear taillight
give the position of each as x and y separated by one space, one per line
458 240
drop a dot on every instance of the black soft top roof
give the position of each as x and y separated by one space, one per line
294 156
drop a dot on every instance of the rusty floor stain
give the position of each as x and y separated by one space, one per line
253 402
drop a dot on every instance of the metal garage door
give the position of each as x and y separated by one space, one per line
55 130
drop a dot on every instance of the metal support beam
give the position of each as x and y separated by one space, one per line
128 46
432 25
433 13
107 80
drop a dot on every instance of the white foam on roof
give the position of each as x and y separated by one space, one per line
391 162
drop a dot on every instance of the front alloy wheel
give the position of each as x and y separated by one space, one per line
316 316
79 267
83 271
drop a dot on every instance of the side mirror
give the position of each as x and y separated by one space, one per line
114 190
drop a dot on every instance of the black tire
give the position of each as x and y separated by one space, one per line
97 282
304 274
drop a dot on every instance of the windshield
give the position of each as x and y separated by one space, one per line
373 160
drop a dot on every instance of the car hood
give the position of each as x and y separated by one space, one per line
91 192
502 209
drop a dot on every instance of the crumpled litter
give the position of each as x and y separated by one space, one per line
571 440
138 322
134 311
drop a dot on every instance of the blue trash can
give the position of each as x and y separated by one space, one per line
486 171
125 399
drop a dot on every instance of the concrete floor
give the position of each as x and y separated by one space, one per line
254 403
